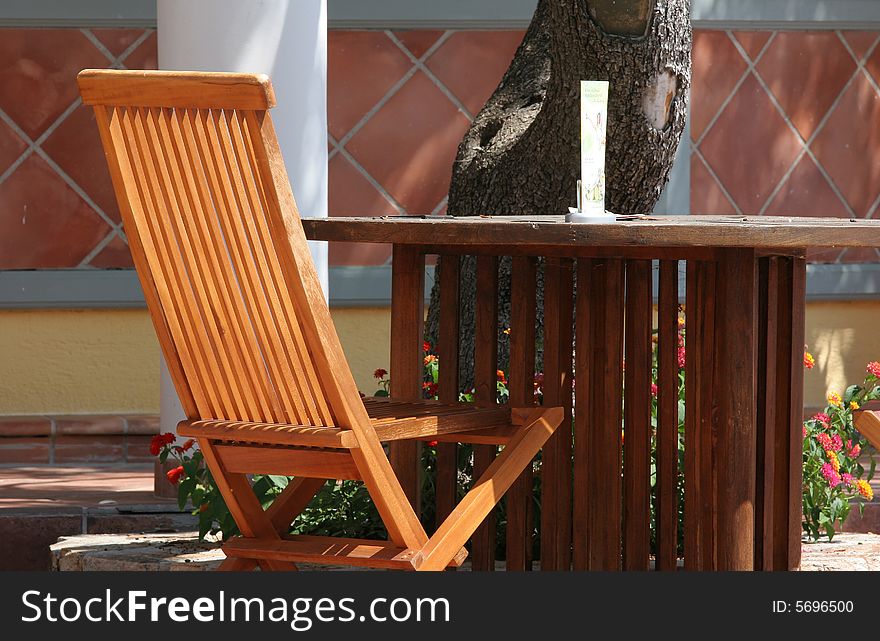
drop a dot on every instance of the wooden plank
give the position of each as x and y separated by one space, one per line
265 433
305 386
583 377
401 520
501 475
245 340
575 251
699 526
556 457
483 541
523 294
365 553
318 464
606 341
637 417
767 232
737 315
766 428
797 268
292 501
189 90
247 512
667 418
407 332
446 482
246 264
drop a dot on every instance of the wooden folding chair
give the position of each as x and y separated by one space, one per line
247 335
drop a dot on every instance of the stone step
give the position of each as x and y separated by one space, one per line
40 504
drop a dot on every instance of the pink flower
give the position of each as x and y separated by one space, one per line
836 443
823 419
853 450
654 389
680 357
848 478
805 431
824 441
873 369
830 475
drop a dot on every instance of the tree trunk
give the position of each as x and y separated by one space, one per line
521 155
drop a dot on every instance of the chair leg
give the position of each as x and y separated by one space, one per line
243 505
284 509
458 527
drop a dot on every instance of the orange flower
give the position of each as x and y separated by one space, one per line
865 489
835 400
430 358
809 361
501 377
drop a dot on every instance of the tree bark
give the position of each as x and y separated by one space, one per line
521 155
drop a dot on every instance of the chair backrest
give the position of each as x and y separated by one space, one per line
219 248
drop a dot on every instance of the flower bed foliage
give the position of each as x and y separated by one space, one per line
834 476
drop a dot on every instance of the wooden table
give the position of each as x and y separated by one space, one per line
744 301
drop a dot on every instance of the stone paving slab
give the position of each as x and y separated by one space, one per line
45 486
859 552
180 552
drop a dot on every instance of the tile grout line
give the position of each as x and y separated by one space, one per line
699 154
420 65
806 143
750 65
35 145
860 64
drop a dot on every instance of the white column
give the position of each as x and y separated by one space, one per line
286 39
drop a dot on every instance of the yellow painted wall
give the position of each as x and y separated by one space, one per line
843 337
104 361
78 362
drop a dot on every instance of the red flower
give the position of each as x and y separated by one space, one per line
430 389
432 443
159 441
174 475
680 357
426 347
187 445
873 369
654 389
380 373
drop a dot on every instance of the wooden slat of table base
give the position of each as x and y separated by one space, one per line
767 376
605 413
667 418
580 534
735 365
700 526
778 491
637 417
447 352
485 378
522 372
556 456
407 319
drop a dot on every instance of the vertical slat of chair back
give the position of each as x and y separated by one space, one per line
219 248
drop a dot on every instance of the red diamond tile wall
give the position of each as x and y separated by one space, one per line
782 123
787 123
